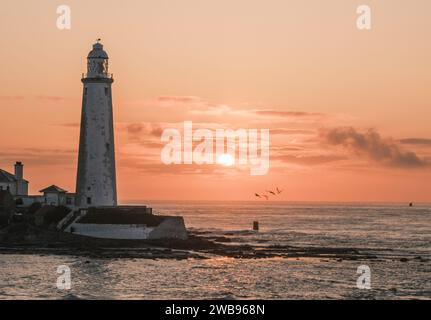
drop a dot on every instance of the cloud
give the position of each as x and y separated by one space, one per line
46 98
371 144
151 144
146 166
289 114
253 115
308 160
180 99
11 98
139 130
215 110
283 131
135 128
416 141
70 125
286 148
43 98
40 156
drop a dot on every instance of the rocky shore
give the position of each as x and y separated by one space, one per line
27 239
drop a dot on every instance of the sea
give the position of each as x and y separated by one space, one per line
398 235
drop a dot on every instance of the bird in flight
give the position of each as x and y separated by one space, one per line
269 194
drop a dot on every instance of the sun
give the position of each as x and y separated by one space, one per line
226 160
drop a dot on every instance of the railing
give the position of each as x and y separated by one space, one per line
102 75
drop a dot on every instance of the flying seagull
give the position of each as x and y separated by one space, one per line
279 191
271 192
257 195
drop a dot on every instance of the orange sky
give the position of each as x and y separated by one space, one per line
349 110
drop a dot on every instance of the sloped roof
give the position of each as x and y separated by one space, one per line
53 189
98 52
6 176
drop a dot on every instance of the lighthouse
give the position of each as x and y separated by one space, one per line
96 178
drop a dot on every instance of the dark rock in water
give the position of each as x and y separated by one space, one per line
222 239
262 241
256 225
71 297
420 259
404 259
15 239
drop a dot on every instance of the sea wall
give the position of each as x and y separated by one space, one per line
170 228
126 222
112 231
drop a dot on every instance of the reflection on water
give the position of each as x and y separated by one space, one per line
392 231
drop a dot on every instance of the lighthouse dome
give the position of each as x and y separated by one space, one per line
98 52
97 63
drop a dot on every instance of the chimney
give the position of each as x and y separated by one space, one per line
19 170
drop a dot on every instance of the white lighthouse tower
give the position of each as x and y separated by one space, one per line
96 179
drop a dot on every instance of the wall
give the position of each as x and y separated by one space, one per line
52 199
28 200
112 231
170 228
10 185
22 188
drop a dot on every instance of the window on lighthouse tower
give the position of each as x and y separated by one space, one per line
98 67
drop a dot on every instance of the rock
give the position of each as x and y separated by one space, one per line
222 239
